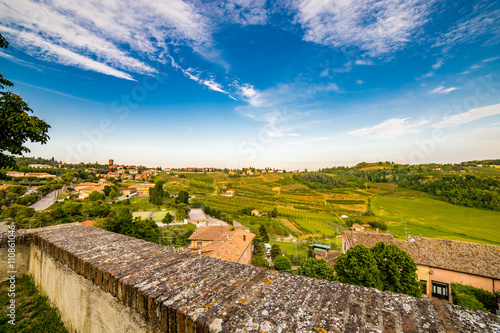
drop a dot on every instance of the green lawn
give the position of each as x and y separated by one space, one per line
290 247
433 218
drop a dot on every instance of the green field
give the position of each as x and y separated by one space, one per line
290 247
433 218
157 215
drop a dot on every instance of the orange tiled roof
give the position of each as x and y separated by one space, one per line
3 187
229 247
89 223
465 257
212 232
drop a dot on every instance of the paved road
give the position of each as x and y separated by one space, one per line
47 200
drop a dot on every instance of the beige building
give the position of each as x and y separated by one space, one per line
197 216
441 262
142 189
15 174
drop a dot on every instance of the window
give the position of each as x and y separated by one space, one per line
245 254
423 287
440 290
199 244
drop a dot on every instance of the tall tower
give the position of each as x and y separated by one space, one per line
111 162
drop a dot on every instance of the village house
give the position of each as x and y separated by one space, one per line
40 166
142 189
440 262
357 227
84 189
39 175
255 212
223 242
198 217
128 192
15 174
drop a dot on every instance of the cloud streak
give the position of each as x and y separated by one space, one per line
442 90
390 128
378 27
469 116
90 35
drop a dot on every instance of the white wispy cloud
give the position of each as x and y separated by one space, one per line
438 64
241 12
91 34
359 82
442 90
61 55
472 28
364 62
490 59
378 27
390 128
469 116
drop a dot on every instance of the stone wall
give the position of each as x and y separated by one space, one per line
176 291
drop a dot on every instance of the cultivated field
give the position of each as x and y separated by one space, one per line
433 218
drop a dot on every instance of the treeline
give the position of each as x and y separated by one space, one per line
469 190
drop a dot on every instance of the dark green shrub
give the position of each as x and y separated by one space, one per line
282 263
485 297
468 301
260 261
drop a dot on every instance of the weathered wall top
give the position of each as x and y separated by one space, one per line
182 292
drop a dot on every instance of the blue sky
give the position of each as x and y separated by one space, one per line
284 84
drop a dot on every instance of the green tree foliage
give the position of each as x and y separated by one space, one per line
397 269
318 269
263 234
467 296
20 214
168 218
157 193
178 235
468 301
359 267
183 210
260 261
112 191
95 195
310 252
124 223
274 213
259 248
17 126
183 197
275 251
282 263
60 216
